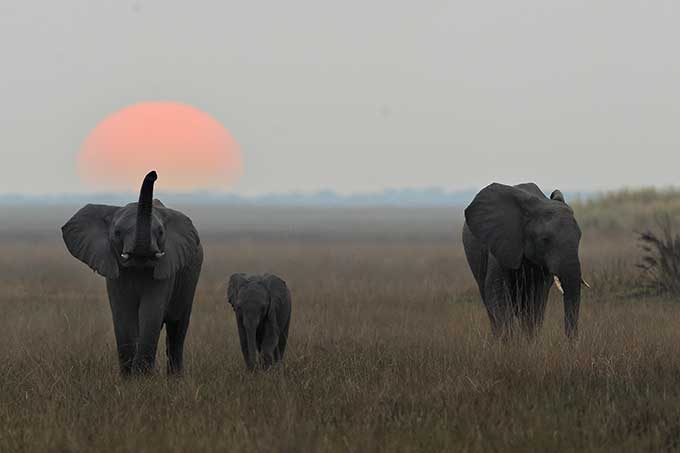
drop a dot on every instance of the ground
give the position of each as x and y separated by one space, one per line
389 347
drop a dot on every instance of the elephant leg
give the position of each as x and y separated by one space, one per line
499 302
283 338
531 317
282 345
501 321
126 337
124 305
270 344
174 346
243 337
534 302
152 309
477 256
179 314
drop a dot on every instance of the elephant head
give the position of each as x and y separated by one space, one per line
251 300
521 223
139 235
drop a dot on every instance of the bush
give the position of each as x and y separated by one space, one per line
661 257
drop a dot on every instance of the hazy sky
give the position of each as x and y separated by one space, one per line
357 95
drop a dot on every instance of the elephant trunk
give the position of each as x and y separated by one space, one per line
143 233
570 276
252 347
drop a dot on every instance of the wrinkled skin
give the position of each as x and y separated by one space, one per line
151 258
262 305
516 240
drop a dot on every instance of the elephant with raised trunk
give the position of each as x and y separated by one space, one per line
518 242
262 305
151 257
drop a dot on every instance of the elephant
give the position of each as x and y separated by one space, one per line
151 257
262 305
518 242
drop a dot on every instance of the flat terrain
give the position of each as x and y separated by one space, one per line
389 350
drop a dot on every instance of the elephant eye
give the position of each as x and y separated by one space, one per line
117 233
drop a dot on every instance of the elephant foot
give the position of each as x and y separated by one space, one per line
126 355
267 362
143 367
175 371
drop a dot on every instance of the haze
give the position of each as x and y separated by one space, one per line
357 96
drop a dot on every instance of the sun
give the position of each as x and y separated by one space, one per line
188 148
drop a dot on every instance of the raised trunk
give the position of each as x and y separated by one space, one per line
144 206
570 275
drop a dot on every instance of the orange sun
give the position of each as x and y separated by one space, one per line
189 149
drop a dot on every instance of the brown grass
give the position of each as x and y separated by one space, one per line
389 351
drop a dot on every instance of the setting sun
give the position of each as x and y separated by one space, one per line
189 149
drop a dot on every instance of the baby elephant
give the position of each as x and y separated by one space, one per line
262 305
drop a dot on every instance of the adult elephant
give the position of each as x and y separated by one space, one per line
517 243
151 257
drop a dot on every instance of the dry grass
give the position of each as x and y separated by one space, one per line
389 350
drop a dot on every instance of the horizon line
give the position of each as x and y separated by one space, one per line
319 192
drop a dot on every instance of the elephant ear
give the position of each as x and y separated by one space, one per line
278 291
235 283
181 242
557 196
86 236
497 216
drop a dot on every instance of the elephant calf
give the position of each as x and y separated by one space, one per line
262 304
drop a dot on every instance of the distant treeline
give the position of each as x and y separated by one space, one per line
627 210
390 197
624 211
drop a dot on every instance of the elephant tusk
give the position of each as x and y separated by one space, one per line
125 255
585 283
160 254
558 283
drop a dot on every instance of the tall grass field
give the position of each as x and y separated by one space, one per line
390 346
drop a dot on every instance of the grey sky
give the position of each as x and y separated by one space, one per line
357 95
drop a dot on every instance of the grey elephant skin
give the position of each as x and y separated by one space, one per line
262 305
516 242
151 257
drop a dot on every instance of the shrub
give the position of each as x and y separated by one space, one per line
660 263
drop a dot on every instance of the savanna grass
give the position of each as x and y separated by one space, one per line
390 350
